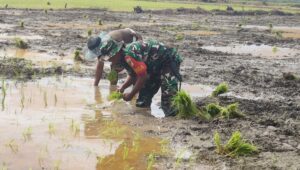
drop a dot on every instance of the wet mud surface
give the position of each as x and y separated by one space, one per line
244 51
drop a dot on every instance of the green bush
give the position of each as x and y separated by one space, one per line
236 146
220 89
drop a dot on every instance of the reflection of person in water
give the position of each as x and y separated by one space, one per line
92 127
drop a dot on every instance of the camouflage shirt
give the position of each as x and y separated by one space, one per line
154 54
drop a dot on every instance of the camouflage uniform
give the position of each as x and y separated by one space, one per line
158 59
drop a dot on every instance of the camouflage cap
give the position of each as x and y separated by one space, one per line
102 45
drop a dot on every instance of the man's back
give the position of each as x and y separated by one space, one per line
127 35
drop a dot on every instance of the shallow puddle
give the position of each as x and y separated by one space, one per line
265 51
200 33
54 123
40 58
288 32
23 37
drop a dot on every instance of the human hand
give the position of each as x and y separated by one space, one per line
127 96
120 89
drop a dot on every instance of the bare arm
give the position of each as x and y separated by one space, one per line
129 81
99 71
140 81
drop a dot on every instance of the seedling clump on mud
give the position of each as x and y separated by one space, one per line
77 56
100 22
22 24
290 76
184 104
179 37
66 5
89 32
115 96
230 111
220 89
20 43
113 77
236 146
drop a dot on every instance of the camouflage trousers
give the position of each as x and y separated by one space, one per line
169 87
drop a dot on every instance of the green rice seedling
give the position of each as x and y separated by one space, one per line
66 5
270 27
113 77
22 97
115 96
184 105
290 76
57 165
19 43
179 157
232 111
236 146
220 89
51 128
4 166
213 109
179 37
48 3
55 99
164 145
89 32
136 141
46 11
13 146
6 6
125 151
150 161
22 24
120 26
45 99
3 95
279 34
75 127
274 49
85 16
77 56
27 134
100 22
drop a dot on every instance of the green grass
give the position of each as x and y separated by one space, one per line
220 89
236 146
127 5
115 96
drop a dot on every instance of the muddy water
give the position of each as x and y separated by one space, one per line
288 32
40 58
54 123
264 51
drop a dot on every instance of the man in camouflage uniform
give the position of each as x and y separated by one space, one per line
125 36
150 65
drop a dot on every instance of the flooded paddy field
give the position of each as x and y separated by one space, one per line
53 118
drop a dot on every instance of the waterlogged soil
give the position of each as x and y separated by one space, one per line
252 57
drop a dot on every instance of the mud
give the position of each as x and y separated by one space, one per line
270 101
